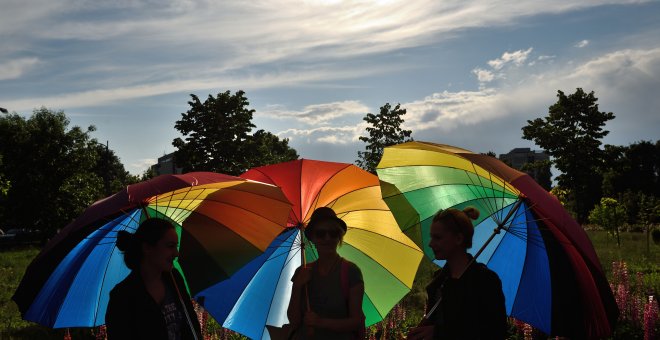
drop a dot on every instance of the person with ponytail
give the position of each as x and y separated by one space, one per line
152 302
468 295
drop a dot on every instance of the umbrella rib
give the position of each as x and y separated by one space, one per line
318 193
492 187
106 220
380 265
284 264
105 273
389 238
491 205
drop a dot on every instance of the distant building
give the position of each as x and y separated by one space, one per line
518 157
166 165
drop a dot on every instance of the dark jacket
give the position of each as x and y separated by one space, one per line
133 314
472 307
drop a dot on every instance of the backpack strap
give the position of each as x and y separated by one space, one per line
343 277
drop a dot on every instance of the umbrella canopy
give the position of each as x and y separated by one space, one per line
259 293
551 276
223 222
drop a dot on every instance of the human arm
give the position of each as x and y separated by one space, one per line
294 312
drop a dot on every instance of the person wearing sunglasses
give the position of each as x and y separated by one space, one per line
326 299
465 298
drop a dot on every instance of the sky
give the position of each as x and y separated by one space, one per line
469 73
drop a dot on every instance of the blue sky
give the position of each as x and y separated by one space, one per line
470 73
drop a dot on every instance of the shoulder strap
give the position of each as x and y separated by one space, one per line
343 276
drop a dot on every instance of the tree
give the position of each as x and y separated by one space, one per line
571 134
633 168
610 215
540 171
385 130
648 215
52 170
4 183
265 148
217 137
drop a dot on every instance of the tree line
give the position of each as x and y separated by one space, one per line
50 172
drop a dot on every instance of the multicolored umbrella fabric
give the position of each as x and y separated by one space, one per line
259 293
223 223
551 276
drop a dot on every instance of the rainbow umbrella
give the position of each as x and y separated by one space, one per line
223 223
258 295
551 276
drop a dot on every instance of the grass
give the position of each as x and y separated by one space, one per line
13 263
633 251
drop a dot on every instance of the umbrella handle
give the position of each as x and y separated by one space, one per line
185 310
309 330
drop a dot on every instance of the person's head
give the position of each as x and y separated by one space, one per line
325 229
452 231
155 244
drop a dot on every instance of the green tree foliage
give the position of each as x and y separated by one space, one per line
385 130
632 173
53 170
4 183
632 168
571 134
540 171
610 215
217 137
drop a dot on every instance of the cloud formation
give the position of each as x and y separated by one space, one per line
319 114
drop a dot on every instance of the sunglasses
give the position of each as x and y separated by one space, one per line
322 233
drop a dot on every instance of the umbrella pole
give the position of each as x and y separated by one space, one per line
183 305
304 262
496 231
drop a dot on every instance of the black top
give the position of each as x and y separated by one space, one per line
472 307
133 314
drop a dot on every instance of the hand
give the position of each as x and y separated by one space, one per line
303 276
312 319
421 333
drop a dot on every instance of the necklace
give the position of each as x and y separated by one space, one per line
332 266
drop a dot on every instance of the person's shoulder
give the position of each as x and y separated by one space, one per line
351 266
126 286
486 273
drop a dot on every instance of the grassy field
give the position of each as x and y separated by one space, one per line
13 263
633 251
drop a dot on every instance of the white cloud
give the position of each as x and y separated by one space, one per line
516 58
141 165
14 69
627 76
320 113
328 134
484 76
582 43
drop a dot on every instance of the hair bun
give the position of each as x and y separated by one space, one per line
471 212
124 240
